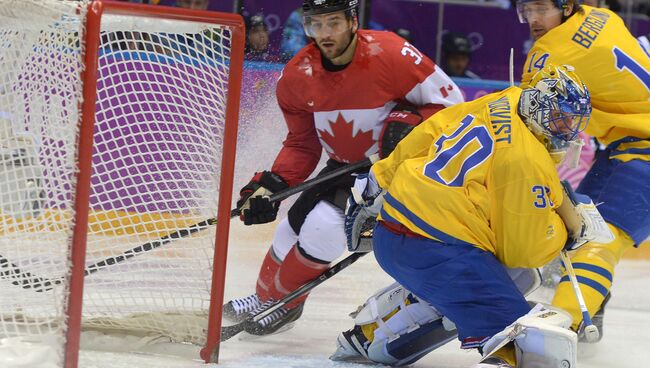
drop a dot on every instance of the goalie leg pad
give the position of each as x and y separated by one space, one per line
542 338
413 345
404 349
393 327
393 311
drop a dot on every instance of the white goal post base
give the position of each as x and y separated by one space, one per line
118 126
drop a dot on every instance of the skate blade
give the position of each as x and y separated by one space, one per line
245 336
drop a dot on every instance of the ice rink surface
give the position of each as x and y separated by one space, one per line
312 340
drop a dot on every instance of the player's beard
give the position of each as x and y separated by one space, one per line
337 50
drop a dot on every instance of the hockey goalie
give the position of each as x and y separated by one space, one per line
465 202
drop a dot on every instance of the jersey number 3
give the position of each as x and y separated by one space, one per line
410 51
470 147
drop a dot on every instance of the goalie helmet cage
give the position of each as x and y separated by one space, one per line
118 126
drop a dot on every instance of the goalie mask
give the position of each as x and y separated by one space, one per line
315 25
555 105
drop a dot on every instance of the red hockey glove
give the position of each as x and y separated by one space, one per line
397 125
254 198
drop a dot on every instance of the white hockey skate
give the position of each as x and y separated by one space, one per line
278 321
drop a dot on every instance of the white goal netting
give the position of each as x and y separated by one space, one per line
158 139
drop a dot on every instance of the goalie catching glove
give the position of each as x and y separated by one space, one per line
254 199
397 125
361 212
582 219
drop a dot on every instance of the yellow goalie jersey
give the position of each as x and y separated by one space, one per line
473 173
610 62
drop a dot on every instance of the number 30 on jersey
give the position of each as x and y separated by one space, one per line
469 147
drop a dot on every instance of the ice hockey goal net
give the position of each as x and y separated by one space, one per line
117 130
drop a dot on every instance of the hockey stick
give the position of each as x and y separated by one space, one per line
366 162
26 280
230 331
591 331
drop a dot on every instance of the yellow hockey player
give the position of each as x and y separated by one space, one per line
468 193
616 69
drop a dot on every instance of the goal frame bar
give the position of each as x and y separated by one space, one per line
210 352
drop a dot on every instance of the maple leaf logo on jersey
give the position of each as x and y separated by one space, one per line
342 145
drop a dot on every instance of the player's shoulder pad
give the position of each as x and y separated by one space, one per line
390 44
384 38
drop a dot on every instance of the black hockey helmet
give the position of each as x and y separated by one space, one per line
317 7
314 8
455 43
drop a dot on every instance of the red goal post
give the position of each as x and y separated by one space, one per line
155 151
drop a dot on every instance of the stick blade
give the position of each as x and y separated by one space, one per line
591 333
228 332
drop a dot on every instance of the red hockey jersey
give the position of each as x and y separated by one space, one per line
343 111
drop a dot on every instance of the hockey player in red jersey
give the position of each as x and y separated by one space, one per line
353 93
